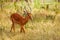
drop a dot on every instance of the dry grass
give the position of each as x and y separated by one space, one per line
39 29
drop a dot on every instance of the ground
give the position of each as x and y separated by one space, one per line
34 31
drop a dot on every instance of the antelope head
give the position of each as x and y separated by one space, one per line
28 14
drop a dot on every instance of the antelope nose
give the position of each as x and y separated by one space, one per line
31 19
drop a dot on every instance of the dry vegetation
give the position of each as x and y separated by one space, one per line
44 26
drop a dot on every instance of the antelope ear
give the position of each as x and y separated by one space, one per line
23 11
30 14
26 0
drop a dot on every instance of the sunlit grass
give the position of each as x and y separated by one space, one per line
40 28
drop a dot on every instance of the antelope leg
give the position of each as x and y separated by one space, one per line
22 29
12 28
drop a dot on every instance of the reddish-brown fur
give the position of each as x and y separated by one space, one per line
16 18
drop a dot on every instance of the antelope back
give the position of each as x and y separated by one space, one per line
16 17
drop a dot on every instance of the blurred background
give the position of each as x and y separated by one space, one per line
44 26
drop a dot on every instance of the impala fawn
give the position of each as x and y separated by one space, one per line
16 18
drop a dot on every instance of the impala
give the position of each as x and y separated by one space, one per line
16 18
